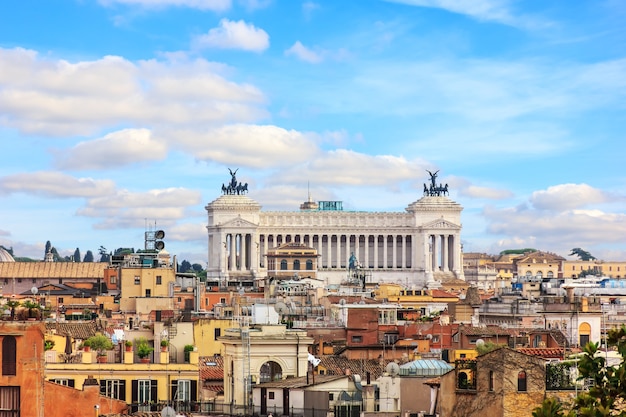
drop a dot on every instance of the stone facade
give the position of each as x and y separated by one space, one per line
417 246
503 383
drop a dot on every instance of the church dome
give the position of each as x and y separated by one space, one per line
5 256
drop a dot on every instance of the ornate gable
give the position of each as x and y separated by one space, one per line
238 222
441 224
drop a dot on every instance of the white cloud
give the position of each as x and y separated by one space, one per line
55 185
474 191
55 98
303 53
124 147
125 209
568 196
344 167
215 5
485 10
254 146
234 35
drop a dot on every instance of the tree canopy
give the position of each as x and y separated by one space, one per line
517 251
582 254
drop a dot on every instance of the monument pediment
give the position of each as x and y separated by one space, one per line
441 224
239 223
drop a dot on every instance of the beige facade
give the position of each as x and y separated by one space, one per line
261 353
419 245
146 289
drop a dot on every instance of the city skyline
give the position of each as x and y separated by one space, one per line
121 116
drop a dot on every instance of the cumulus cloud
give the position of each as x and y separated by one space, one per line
303 53
55 97
124 147
215 5
255 146
567 196
55 185
343 167
124 208
234 35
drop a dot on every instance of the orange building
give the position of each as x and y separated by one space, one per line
23 389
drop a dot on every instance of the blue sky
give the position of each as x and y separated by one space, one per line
118 116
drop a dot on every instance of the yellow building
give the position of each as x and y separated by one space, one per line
207 333
146 282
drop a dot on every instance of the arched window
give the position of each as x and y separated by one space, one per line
8 356
529 274
521 381
550 274
296 265
309 265
270 371
283 265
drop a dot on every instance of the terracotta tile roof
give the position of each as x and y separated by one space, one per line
441 294
546 353
77 330
26 270
337 365
218 389
211 368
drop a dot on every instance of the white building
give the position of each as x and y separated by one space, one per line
418 247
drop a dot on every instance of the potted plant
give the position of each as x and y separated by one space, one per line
33 309
12 304
85 346
48 344
129 346
101 344
187 349
164 344
144 349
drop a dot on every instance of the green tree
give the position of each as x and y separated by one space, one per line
76 255
582 254
88 257
487 347
48 248
185 266
104 255
551 407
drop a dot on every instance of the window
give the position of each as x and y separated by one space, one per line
137 280
357 339
283 265
521 381
222 300
159 280
537 340
63 381
217 333
10 401
183 390
34 280
331 396
60 280
148 293
491 380
296 265
270 395
60 300
309 265
144 391
113 279
8 356
113 388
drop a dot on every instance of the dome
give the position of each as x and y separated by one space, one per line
5 256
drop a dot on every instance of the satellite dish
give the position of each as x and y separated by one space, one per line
34 290
281 308
392 368
429 336
480 342
168 412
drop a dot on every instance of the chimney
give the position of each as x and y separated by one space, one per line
348 372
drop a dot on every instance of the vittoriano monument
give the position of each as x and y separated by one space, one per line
234 187
435 190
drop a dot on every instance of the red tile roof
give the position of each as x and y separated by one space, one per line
211 368
546 353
